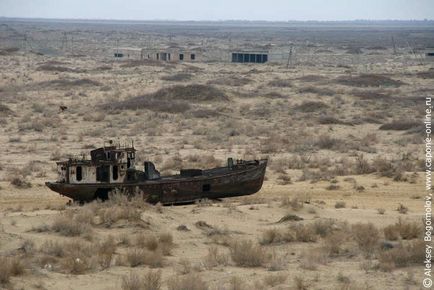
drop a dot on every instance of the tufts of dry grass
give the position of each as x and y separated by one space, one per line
400 125
246 254
9 267
280 83
150 281
340 204
366 236
20 182
311 106
187 282
274 280
369 80
178 77
137 257
174 99
77 256
304 233
312 258
214 258
402 256
276 236
69 227
403 230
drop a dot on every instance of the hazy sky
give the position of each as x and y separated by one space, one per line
220 9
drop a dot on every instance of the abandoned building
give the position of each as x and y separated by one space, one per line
128 53
250 56
198 54
169 54
175 54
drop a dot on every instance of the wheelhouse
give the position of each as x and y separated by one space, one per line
108 164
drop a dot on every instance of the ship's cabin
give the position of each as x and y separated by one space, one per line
108 164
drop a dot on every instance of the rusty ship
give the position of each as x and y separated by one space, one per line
113 167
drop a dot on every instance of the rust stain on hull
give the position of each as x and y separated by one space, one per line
242 178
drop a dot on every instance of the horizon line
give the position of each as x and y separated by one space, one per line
219 20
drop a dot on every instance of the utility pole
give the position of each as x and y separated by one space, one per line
289 58
394 45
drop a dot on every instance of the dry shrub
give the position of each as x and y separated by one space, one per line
10 266
362 165
68 83
77 256
50 67
136 257
284 179
300 283
368 80
232 81
321 91
279 83
340 204
110 215
330 120
20 182
274 280
304 233
403 230
402 209
150 281
311 106
324 227
165 243
276 236
185 266
402 256
178 77
311 78
236 283
295 203
333 187
174 99
429 74
94 117
400 125
327 142
187 282
214 258
366 236
147 241
312 258
5 110
246 254
333 243
67 226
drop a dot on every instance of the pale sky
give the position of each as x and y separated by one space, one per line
273 10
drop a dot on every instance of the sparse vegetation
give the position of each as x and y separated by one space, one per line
246 254
190 281
367 237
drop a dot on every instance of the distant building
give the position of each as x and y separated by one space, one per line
169 54
128 53
175 54
250 56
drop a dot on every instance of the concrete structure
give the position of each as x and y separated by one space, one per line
250 56
174 54
169 54
128 53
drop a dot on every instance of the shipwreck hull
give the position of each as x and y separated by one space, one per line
215 183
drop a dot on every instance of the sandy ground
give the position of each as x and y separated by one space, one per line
315 163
